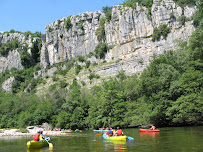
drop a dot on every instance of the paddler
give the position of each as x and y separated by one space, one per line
38 136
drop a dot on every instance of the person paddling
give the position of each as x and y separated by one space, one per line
38 136
119 132
152 127
109 133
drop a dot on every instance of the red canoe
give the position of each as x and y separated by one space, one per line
148 130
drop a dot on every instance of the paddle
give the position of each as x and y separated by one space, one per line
50 144
130 138
98 135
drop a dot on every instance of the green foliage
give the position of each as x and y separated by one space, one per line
184 3
87 64
162 30
132 3
50 29
81 58
100 50
11 45
108 11
198 15
182 19
68 24
167 93
35 51
121 75
77 69
100 32
92 76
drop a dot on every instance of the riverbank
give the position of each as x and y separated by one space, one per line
17 132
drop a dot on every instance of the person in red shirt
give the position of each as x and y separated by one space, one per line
38 136
119 132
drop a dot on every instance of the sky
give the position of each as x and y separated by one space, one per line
34 15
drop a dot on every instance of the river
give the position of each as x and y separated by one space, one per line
171 139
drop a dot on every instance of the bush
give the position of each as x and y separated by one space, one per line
162 30
108 11
81 58
63 84
77 69
132 3
10 46
100 50
182 19
50 29
87 64
68 24
100 32
92 76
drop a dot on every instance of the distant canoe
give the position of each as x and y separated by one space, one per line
100 130
149 130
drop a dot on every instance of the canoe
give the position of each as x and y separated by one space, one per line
68 131
149 130
100 130
37 144
115 138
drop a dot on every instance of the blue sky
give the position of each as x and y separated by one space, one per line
33 15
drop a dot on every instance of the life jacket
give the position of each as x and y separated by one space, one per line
119 133
36 137
110 133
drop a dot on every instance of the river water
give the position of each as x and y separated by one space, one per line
172 139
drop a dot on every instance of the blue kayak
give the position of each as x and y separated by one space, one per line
100 130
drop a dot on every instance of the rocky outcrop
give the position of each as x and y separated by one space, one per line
13 59
7 85
61 44
129 30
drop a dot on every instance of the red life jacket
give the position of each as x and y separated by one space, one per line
36 137
119 133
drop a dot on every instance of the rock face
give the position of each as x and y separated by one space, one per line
7 85
60 45
12 59
129 30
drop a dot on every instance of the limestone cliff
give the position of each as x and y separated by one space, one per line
13 57
129 30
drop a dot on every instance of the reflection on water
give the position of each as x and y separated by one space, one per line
119 146
149 135
40 150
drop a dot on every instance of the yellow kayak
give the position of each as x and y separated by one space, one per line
115 138
37 144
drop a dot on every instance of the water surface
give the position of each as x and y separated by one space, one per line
173 139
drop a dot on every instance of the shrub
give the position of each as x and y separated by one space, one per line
108 11
77 69
92 76
100 32
68 24
50 29
63 84
100 50
182 19
162 30
81 58
87 64
6 47
132 3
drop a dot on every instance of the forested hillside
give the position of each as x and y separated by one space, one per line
169 92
